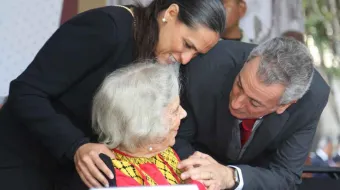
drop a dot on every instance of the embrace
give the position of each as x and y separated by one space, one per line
143 96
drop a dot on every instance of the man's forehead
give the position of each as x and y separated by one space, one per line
256 88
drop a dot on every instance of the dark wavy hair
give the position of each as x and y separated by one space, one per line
208 13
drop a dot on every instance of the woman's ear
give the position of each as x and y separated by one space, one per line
171 13
242 8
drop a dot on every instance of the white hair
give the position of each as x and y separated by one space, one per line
288 62
128 109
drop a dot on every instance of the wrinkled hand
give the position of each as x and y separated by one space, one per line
204 168
205 160
88 164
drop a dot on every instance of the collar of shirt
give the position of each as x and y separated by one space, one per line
255 124
322 155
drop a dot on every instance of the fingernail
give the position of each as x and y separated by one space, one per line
183 175
111 176
107 185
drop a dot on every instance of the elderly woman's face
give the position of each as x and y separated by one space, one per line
178 42
173 115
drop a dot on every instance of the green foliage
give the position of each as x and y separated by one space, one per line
317 24
334 72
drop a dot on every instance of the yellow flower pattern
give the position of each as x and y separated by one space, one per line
126 165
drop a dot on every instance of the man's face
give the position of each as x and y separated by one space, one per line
329 150
251 98
235 11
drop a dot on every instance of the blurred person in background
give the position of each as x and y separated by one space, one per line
2 101
266 19
323 155
308 162
235 10
45 124
336 158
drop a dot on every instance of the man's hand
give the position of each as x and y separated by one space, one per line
88 164
205 169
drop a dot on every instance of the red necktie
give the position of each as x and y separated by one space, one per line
246 129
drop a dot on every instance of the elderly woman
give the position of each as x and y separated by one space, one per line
136 113
47 115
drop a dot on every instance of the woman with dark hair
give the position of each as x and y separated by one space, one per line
45 123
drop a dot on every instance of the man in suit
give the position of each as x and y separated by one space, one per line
236 9
254 111
336 158
323 155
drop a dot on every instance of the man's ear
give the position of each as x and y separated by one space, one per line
242 8
283 107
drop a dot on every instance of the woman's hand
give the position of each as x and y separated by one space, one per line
89 164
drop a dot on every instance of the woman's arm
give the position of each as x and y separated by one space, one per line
76 48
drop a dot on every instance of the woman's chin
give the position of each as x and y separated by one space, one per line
172 143
163 61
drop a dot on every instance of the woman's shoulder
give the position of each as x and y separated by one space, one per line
120 14
170 154
114 16
171 158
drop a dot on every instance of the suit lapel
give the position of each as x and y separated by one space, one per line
266 132
227 129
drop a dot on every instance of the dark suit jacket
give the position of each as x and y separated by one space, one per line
77 184
47 116
336 158
274 158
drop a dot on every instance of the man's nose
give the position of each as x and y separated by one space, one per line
238 102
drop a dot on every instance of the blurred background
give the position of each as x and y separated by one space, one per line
25 25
